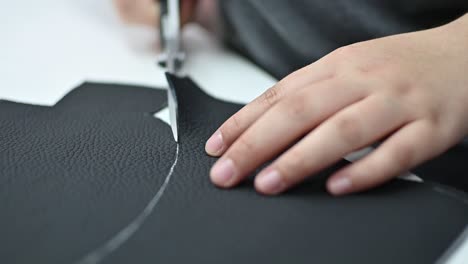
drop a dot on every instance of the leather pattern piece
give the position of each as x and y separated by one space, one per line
73 175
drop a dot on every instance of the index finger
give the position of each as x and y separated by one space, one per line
237 124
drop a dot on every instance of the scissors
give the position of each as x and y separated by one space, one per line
172 57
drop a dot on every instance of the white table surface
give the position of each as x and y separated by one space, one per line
49 47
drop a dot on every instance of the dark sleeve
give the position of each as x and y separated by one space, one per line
282 36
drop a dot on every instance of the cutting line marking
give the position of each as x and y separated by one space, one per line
123 235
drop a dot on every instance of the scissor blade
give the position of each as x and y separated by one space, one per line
172 105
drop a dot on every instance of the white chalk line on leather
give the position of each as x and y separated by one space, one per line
122 236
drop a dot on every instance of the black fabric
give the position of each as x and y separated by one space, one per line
450 169
75 174
282 36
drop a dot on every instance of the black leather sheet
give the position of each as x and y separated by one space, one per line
451 168
75 174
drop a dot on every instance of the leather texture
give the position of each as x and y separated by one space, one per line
73 175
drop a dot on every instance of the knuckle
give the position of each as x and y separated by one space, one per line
390 82
235 123
364 69
389 103
378 66
349 130
297 106
438 136
244 145
271 96
243 152
434 116
402 88
294 161
231 128
346 51
403 156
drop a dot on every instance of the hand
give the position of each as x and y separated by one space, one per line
146 12
409 90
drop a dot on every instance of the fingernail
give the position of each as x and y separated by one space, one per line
339 186
270 182
223 172
214 145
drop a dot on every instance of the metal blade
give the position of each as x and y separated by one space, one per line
172 105
172 57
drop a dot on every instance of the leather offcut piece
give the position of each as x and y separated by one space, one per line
75 174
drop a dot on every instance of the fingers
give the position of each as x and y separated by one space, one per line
144 12
278 128
405 149
187 10
222 139
352 128
239 122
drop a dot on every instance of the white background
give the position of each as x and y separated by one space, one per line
48 47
